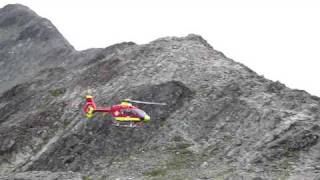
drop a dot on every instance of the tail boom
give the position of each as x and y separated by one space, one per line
91 107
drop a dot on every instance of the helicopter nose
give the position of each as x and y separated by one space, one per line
146 118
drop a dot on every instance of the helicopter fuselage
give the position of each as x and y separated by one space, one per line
124 112
128 113
120 112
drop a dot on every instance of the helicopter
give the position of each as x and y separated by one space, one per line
123 114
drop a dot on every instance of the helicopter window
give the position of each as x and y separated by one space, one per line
133 112
128 112
139 112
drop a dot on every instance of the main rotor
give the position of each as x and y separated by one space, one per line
142 102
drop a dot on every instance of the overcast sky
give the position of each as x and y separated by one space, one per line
279 39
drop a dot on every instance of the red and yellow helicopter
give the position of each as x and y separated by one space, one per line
123 114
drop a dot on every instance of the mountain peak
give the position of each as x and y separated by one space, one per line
15 14
27 40
18 7
21 23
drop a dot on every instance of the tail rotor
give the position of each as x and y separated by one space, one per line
89 107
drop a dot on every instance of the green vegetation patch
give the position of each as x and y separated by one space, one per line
184 159
155 172
86 178
57 92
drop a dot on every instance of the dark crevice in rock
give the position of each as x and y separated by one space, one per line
76 152
101 72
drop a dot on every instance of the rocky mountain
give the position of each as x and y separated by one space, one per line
222 121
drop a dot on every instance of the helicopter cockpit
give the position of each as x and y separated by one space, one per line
133 112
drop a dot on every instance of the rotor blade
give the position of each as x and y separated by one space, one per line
144 102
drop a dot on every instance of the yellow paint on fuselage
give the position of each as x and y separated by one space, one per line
127 119
125 104
88 97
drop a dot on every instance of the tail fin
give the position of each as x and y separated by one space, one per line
89 107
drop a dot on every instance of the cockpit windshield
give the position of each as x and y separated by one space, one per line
139 112
134 112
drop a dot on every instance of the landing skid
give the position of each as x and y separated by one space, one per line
128 124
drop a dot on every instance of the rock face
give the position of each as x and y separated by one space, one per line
222 121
